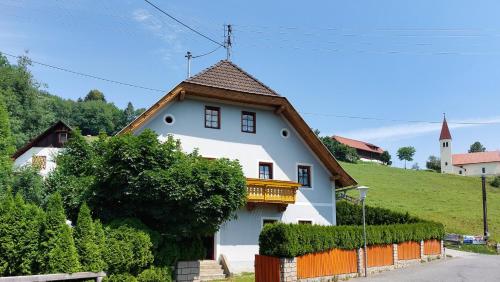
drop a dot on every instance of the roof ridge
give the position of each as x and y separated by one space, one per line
251 76
250 83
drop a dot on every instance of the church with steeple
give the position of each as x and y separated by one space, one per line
471 164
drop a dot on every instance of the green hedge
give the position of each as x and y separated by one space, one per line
291 240
350 214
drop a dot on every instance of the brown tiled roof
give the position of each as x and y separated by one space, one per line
227 75
445 131
475 158
356 144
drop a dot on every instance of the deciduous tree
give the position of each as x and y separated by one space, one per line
406 154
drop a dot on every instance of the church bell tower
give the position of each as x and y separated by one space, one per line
445 151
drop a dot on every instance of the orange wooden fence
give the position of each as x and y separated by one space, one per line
267 269
432 247
380 255
329 263
408 250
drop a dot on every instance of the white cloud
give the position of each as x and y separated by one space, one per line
168 32
405 131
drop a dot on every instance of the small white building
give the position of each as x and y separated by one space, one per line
472 164
41 151
291 177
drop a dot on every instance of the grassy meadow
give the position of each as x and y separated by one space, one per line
456 201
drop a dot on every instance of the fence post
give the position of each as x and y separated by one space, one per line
395 254
288 269
421 249
361 262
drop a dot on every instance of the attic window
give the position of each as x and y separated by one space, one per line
248 122
63 137
285 133
169 119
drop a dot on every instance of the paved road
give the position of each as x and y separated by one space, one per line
461 267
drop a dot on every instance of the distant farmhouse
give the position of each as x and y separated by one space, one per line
366 151
471 164
41 151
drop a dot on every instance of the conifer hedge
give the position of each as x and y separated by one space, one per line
291 240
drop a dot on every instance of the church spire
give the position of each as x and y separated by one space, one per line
445 131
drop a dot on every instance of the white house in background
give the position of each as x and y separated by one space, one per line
41 151
472 164
291 177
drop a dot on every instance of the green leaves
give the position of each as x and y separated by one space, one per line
291 240
350 214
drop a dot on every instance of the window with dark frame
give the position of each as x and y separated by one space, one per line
212 117
248 123
268 221
265 170
63 137
304 175
306 222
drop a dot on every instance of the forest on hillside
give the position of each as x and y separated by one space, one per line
32 109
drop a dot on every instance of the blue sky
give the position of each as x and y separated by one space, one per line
392 60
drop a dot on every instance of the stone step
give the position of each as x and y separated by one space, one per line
211 277
215 266
211 271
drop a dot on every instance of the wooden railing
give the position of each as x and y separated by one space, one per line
271 191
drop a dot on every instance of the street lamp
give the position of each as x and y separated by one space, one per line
362 195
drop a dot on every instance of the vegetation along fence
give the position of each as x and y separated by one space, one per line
291 252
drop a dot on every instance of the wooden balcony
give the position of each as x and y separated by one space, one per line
270 191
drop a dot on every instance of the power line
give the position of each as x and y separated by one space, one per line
87 75
208 53
183 24
397 120
303 113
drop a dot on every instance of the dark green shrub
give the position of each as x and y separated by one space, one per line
496 181
350 214
28 182
123 277
19 235
291 240
57 247
155 274
128 250
173 250
87 243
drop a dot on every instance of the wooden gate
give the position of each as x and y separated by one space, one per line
432 247
380 255
329 263
267 269
408 250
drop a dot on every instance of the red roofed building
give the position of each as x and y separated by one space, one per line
366 151
471 164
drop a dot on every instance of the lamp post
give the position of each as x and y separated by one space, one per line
485 213
362 195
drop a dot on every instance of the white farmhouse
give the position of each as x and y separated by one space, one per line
41 151
472 164
291 177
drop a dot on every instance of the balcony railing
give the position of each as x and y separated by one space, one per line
271 191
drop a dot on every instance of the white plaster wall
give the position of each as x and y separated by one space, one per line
445 155
238 239
49 152
476 169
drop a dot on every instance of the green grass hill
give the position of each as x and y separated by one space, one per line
455 201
